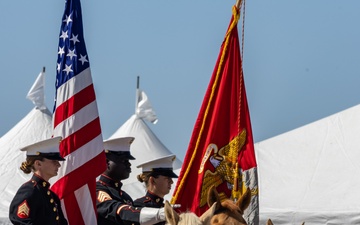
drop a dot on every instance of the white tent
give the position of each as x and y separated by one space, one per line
312 173
35 126
146 145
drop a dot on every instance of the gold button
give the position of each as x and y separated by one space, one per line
44 184
51 200
57 218
116 184
54 209
48 192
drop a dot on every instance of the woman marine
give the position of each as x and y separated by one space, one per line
34 203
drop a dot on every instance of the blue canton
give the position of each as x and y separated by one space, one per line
72 55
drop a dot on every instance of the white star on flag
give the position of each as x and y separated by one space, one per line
67 20
74 38
64 35
61 51
68 69
83 59
71 54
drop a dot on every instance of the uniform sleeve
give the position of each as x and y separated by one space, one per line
116 211
24 205
139 202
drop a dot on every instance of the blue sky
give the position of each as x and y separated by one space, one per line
301 59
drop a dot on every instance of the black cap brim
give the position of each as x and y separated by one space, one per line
168 172
125 155
52 156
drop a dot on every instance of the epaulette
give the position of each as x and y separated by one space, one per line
34 183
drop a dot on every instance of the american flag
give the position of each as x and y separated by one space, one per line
76 119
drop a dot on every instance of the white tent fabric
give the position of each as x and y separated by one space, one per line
144 108
312 173
35 126
36 92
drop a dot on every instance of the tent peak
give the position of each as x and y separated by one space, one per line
36 93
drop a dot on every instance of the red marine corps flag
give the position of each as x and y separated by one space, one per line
76 120
221 149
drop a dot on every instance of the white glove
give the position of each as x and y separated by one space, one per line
149 216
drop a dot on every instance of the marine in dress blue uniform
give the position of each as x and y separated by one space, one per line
115 206
34 203
157 175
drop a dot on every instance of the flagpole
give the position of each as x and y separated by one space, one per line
43 71
137 93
